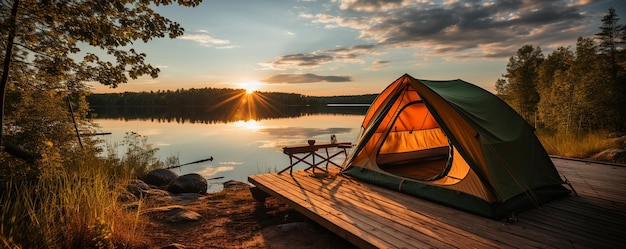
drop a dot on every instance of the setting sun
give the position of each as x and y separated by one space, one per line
250 86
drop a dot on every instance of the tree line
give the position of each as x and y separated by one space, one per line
576 89
223 98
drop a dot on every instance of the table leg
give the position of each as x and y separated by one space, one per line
292 164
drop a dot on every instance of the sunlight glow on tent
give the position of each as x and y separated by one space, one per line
453 143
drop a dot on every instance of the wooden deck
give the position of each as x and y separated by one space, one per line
372 217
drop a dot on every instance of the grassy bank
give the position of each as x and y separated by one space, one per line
67 209
577 145
74 204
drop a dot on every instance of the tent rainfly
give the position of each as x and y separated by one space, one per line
453 143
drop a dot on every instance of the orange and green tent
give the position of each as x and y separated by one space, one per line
453 143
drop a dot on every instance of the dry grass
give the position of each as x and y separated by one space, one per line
577 145
68 209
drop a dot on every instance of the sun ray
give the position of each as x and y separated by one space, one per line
249 104
250 86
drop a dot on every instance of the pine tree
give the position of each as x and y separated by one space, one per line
612 49
521 81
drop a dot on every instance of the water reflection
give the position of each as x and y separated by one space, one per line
217 115
240 147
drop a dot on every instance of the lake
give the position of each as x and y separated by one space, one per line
239 147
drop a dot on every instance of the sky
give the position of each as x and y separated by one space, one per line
351 47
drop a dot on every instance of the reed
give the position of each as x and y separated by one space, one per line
68 209
74 204
576 145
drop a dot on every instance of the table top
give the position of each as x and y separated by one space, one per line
315 147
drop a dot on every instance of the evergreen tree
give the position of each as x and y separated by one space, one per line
521 81
613 62
589 108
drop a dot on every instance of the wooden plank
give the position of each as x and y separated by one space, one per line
461 239
348 232
356 229
494 230
370 216
385 230
425 229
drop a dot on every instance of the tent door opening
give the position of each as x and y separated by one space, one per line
414 145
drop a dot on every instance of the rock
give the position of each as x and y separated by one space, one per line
186 198
155 193
136 187
174 246
611 155
184 215
160 177
189 183
235 185
174 214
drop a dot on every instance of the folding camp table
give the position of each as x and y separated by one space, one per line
302 154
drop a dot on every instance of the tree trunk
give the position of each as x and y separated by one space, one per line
7 63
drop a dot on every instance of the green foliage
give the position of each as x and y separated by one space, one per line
50 35
64 199
522 73
54 47
139 158
571 91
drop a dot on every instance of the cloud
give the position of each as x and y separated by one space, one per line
379 64
204 39
370 5
305 78
230 163
211 172
315 59
461 28
331 21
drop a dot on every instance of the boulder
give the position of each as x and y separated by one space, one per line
611 155
235 185
160 177
189 183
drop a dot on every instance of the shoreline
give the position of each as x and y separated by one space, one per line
232 218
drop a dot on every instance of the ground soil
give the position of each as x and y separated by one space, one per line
233 219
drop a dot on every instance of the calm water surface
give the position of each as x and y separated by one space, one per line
239 148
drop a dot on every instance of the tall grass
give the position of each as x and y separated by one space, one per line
68 209
75 205
576 145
